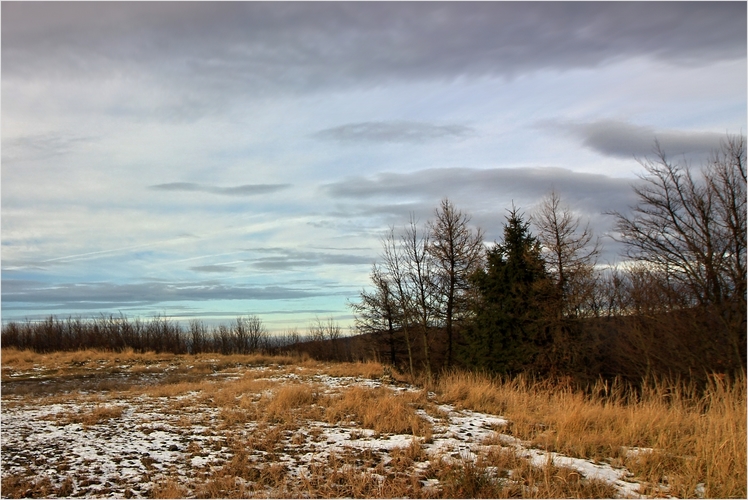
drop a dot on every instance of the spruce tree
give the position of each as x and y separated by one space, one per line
508 324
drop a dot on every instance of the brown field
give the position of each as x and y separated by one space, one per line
96 424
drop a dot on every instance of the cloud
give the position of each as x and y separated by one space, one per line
213 269
477 183
484 194
251 46
626 140
285 259
394 131
244 190
42 146
106 295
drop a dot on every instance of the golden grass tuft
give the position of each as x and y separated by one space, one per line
365 369
379 409
169 489
172 390
96 415
221 487
339 477
18 359
291 402
21 486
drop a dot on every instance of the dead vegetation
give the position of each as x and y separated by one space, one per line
244 426
377 409
695 441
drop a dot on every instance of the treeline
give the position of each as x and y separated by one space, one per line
538 302
246 335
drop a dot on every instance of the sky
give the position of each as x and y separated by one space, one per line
211 160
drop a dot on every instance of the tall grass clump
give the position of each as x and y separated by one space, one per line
379 409
666 432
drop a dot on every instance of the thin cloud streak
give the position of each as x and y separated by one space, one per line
42 146
243 190
93 255
288 259
217 268
92 295
394 131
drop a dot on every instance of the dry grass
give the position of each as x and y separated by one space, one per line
341 476
368 369
14 360
19 360
94 416
172 390
169 489
24 360
692 437
20 486
696 438
379 409
291 403
502 474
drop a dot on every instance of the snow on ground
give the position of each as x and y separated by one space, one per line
150 440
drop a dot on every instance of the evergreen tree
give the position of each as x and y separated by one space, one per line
508 326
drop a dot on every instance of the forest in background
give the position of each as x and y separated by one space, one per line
537 302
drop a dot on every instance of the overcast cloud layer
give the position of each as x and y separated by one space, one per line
214 159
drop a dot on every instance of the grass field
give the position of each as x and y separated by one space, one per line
98 424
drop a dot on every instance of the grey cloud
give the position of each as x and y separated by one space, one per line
432 184
284 259
246 46
213 269
394 131
102 295
626 140
244 190
486 194
41 146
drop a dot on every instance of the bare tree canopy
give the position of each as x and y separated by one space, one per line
570 252
693 228
457 251
689 229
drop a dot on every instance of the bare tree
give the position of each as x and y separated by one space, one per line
333 333
292 336
377 311
457 251
421 283
222 335
317 330
726 178
691 229
570 253
198 334
394 262
256 334
329 331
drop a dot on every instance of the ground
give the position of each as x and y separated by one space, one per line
207 426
